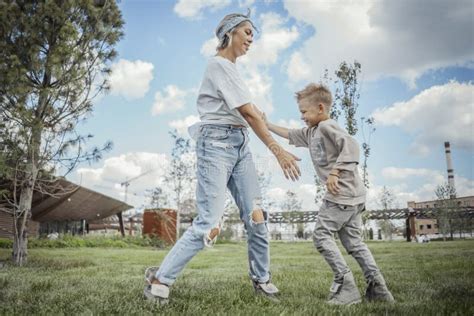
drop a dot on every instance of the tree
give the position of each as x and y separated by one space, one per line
345 103
54 59
157 198
320 189
347 95
368 129
292 204
264 178
386 200
445 194
182 172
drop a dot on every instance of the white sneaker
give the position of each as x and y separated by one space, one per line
157 293
268 290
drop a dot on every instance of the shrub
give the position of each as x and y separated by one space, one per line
69 241
6 243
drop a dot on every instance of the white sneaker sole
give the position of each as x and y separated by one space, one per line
152 298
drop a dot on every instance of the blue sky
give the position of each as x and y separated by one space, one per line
417 68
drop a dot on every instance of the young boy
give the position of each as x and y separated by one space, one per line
335 156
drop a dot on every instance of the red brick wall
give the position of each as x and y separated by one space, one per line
160 223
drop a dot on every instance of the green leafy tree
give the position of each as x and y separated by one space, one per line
320 189
347 95
345 104
445 194
293 204
157 198
54 59
264 179
386 201
182 172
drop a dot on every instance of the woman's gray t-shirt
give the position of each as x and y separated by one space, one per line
222 91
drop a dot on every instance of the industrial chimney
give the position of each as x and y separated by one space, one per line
449 162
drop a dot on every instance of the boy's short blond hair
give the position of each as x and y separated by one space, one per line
316 93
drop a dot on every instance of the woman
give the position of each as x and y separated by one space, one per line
224 161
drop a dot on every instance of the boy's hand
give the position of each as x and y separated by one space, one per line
332 184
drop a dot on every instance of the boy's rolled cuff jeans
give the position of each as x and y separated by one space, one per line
346 221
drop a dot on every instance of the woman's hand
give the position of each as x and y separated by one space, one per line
287 162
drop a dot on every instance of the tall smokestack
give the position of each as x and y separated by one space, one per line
449 163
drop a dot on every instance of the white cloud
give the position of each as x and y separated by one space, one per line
404 173
277 194
274 39
171 100
390 38
306 193
464 186
290 123
246 3
131 78
298 69
208 49
264 52
260 86
192 9
405 192
438 114
182 125
144 170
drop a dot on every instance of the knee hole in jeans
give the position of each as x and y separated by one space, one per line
258 216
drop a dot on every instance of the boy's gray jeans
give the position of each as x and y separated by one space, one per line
346 221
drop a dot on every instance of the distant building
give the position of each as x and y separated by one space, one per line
429 226
73 209
426 226
466 201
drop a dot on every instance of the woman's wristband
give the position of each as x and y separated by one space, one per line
332 174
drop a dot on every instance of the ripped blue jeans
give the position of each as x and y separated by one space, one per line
223 161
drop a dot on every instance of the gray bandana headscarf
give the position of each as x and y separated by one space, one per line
229 22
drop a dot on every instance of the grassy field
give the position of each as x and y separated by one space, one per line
425 279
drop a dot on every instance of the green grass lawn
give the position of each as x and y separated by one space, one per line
425 279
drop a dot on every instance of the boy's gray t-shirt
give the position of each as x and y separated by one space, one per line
222 91
331 147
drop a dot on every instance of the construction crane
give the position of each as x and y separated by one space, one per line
126 184
127 181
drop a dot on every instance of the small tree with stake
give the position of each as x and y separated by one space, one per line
386 200
346 103
54 59
181 175
445 194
